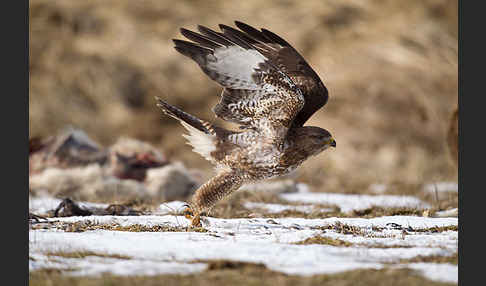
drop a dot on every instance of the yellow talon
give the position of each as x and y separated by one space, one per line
188 213
195 219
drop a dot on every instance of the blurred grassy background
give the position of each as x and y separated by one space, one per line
391 68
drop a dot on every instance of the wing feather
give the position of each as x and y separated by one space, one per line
215 36
200 39
257 93
255 34
289 61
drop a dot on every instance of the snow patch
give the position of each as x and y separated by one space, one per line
173 207
259 240
348 203
278 208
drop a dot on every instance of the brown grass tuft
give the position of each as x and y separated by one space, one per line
324 240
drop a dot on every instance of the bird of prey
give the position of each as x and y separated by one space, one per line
269 90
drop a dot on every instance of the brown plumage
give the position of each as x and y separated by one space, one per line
269 90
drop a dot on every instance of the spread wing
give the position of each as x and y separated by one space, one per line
257 94
289 61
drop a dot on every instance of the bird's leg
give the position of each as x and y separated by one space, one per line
196 221
210 193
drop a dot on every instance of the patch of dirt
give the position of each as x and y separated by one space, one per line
242 274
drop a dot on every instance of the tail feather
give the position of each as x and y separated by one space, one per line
202 135
180 115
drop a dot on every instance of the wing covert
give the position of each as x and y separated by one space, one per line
289 61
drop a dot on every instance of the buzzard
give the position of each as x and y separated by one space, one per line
269 90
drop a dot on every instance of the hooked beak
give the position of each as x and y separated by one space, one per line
333 143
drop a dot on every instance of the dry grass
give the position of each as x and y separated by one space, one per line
318 239
92 225
379 211
453 259
231 273
343 228
83 254
391 69
435 229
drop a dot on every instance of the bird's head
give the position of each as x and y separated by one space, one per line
313 140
